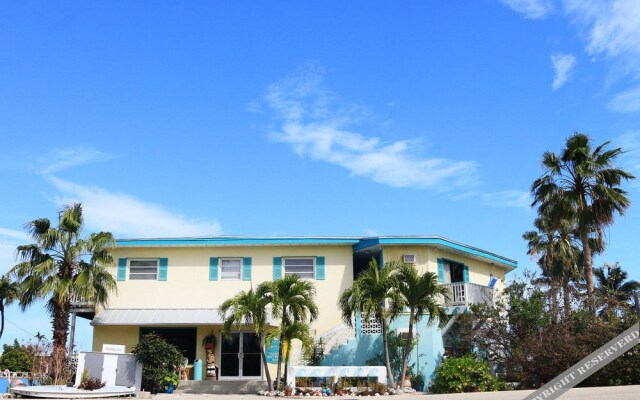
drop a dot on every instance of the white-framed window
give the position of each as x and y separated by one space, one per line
303 266
230 269
143 270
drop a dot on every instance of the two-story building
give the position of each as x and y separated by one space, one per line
174 287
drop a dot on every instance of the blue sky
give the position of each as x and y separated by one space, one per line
307 118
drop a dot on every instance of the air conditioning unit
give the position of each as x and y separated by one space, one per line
409 258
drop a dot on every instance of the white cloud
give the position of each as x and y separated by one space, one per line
127 216
612 26
532 9
504 198
563 65
309 121
62 159
626 102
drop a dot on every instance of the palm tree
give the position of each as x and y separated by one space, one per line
296 330
292 300
371 295
422 295
9 291
60 266
613 286
554 241
589 181
247 308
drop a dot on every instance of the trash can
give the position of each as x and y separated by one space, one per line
197 370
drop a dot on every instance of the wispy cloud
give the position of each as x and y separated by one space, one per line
127 216
626 102
309 119
563 65
504 198
532 9
62 159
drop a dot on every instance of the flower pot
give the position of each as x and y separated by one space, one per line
170 388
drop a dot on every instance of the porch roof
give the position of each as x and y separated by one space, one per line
159 317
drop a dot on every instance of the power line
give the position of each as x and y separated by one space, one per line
19 327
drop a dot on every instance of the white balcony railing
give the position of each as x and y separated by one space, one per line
464 294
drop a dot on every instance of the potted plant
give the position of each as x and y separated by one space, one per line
417 382
209 342
169 382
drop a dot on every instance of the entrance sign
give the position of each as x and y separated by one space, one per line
113 348
588 365
271 351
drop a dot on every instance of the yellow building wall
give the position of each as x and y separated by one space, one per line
427 261
188 284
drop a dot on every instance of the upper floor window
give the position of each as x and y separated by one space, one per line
231 268
143 270
303 266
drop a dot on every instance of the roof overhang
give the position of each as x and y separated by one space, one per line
436 241
159 317
239 241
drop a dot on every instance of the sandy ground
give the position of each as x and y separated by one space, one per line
597 393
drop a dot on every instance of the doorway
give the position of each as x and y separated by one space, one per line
240 356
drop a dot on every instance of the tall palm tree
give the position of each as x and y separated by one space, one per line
247 308
9 291
292 300
371 296
60 266
422 295
613 286
589 181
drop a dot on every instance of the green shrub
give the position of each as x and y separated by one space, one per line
15 358
157 358
465 374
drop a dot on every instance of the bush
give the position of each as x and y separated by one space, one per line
465 374
157 358
15 358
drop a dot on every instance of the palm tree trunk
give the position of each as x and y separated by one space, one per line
2 314
60 315
385 344
265 366
566 296
279 361
286 362
407 349
554 300
588 271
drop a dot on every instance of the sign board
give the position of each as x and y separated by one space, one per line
271 351
113 348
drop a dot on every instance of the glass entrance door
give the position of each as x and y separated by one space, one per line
240 356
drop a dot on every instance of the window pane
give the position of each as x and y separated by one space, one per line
143 270
300 266
144 263
230 269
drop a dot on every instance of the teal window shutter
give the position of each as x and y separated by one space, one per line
162 269
213 268
440 270
277 268
246 268
122 269
465 273
320 268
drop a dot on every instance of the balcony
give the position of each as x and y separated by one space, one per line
464 294
83 309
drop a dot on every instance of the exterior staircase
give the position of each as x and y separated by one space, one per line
332 339
221 387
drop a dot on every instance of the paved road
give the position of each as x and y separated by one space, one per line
597 393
